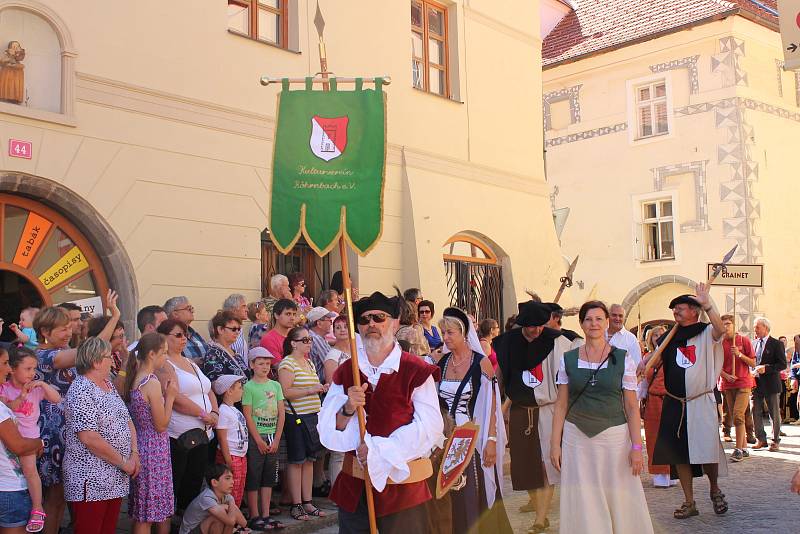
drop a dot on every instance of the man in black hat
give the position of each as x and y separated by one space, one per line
688 437
403 423
528 360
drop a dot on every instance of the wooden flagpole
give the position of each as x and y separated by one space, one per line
347 285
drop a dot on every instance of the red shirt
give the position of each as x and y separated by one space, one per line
742 371
273 342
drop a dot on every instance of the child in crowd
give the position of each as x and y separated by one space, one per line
232 432
214 510
262 403
23 394
25 332
259 316
151 497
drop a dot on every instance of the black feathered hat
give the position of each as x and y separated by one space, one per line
533 313
377 301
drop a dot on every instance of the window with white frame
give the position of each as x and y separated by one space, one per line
658 230
651 109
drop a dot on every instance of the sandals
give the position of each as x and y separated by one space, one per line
257 523
273 524
719 502
36 521
298 513
316 512
687 509
536 528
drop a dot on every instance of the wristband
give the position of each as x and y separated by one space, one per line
344 412
636 447
215 412
492 438
122 373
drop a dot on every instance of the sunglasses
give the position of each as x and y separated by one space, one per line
178 335
376 317
305 340
187 308
233 328
424 311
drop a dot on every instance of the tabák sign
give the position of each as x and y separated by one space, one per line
739 275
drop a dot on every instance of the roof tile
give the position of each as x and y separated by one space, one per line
600 24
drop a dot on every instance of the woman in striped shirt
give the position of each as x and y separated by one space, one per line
301 389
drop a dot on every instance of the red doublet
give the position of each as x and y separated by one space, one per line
387 409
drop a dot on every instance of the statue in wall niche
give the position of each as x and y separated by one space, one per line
12 73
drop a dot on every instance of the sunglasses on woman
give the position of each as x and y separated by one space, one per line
305 340
178 335
376 317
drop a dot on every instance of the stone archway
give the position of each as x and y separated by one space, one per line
637 292
108 247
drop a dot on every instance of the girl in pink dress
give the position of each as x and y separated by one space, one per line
22 393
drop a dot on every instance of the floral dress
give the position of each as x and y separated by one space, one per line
219 361
151 499
51 419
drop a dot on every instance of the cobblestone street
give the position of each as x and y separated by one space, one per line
764 474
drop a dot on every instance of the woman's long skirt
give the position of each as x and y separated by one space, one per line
599 494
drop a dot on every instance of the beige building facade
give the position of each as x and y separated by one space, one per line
139 155
664 150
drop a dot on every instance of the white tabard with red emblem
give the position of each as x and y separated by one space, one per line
545 393
702 426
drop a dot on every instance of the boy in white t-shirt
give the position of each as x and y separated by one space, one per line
232 432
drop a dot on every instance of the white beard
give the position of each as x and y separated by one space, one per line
377 346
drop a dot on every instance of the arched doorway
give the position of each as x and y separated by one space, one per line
44 259
474 277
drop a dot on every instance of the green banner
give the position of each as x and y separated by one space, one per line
328 167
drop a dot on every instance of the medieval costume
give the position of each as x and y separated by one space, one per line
528 370
651 414
403 424
689 428
599 493
477 503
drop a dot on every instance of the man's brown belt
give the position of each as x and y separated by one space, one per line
421 469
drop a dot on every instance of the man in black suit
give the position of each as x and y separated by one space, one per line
770 361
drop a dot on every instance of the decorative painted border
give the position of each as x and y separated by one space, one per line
688 63
779 69
698 169
727 64
587 134
569 93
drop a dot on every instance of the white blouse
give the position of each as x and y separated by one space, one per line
629 380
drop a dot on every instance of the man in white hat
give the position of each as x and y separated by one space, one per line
319 324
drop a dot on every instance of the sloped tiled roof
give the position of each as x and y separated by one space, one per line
762 9
598 25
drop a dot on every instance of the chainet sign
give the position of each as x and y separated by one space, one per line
739 275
